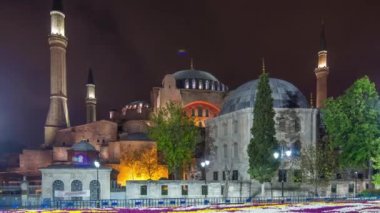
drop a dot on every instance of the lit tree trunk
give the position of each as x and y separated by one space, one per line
262 189
370 172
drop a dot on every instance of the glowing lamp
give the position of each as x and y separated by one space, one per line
276 155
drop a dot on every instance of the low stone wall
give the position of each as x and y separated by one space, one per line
156 189
178 189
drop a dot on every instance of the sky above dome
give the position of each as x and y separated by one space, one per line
131 45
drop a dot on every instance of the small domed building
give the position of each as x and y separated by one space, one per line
78 178
229 133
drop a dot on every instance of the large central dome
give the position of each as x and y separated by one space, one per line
197 74
198 79
284 94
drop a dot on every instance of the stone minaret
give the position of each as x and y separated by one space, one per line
58 116
90 99
322 71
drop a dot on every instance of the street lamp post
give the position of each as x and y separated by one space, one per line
282 156
97 165
204 164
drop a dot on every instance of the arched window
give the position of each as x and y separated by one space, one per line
216 152
94 190
236 151
207 86
76 186
200 114
235 126
207 114
193 84
225 151
200 84
187 85
225 129
58 185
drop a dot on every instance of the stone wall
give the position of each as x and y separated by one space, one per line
174 189
97 133
60 153
32 160
235 189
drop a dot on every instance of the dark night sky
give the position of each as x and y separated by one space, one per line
131 44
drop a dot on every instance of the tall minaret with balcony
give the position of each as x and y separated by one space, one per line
322 71
58 116
90 99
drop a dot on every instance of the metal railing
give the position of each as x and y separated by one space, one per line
15 202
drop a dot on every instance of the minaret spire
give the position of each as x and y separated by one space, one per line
263 65
323 45
57 5
58 115
90 98
191 63
90 78
322 70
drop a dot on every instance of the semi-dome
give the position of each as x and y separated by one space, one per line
198 79
284 94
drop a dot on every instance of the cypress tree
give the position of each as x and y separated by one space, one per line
262 165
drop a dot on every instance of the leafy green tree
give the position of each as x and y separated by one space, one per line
317 165
176 136
262 165
352 124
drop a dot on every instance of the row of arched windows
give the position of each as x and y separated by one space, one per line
200 112
76 185
204 84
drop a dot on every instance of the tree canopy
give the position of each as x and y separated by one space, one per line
262 165
176 136
352 124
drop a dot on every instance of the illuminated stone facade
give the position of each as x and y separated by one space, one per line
199 92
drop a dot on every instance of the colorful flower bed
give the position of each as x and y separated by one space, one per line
312 207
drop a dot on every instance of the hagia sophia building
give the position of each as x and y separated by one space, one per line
225 116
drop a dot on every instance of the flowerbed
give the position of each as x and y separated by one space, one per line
312 207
